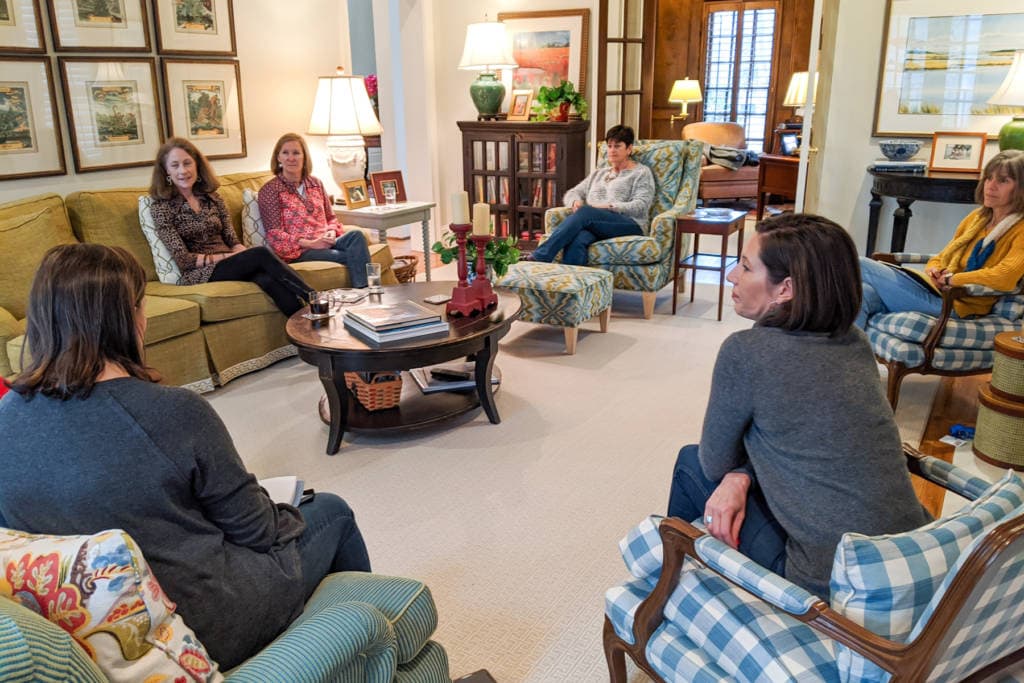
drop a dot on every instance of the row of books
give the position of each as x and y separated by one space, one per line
910 166
394 322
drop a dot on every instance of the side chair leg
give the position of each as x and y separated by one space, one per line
614 654
649 298
603 317
897 371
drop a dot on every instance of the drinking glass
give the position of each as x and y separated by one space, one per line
373 278
319 302
390 195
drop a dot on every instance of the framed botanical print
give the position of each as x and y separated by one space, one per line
549 46
99 25
30 141
356 196
195 27
113 113
388 183
204 105
21 29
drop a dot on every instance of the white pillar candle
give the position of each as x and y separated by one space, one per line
481 219
460 207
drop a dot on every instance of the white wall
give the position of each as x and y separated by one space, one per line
850 148
282 48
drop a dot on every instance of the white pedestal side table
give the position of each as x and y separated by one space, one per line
383 217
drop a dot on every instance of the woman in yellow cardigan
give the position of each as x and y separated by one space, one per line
987 249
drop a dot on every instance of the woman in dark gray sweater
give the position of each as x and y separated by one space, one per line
92 443
799 445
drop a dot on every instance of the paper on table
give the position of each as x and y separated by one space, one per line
286 489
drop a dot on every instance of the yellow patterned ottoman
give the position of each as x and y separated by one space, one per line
561 295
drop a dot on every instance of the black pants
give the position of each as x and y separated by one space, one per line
262 267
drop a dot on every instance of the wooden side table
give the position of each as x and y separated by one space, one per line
700 223
383 217
776 174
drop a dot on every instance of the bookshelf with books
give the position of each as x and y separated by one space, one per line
522 168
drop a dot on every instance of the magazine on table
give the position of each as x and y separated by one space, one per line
423 329
447 377
389 316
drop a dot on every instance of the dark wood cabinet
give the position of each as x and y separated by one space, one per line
522 169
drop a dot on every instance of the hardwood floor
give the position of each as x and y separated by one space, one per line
401 247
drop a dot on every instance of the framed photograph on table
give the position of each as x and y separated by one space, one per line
21 29
388 180
204 105
113 113
519 106
955 151
196 27
941 62
356 196
99 25
548 46
30 141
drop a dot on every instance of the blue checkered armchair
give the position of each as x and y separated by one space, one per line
917 343
644 262
939 603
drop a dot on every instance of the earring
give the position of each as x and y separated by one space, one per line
168 179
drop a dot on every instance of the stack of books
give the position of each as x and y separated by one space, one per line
458 376
909 166
394 322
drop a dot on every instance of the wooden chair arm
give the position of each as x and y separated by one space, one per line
931 341
884 257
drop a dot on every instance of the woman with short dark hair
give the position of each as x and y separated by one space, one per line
799 445
91 442
613 201
192 221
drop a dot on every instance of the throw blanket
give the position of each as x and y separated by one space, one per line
730 157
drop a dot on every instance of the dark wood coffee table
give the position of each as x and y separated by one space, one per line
329 346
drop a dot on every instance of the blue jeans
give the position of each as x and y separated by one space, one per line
582 228
331 541
891 290
349 250
762 538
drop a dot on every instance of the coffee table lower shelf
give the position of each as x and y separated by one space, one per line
415 410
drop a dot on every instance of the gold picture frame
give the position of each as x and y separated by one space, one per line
356 194
531 32
519 105
957 151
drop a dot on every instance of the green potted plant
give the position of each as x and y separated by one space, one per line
553 103
500 253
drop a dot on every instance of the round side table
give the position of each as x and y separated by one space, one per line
999 436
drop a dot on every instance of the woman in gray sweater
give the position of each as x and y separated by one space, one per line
612 201
92 443
799 445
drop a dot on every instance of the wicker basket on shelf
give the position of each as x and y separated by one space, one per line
380 393
404 267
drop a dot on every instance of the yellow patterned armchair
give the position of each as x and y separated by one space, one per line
644 262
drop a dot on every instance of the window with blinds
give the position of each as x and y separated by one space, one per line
739 44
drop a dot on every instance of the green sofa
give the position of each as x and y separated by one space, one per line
198 336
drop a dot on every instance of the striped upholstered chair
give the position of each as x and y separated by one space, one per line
944 602
644 263
88 609
917 343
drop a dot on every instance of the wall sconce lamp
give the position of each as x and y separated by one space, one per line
684 92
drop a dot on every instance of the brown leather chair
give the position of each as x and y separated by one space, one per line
718 182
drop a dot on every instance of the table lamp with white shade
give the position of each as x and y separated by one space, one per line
684 92
343 112
487 49
796 94
1011 93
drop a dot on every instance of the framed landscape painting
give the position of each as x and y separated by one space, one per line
941 62
21 29
30 141
204 105
99 25
195 27
548 46
112 109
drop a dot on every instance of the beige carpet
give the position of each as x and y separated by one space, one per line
515 526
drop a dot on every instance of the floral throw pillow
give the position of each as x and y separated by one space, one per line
166 267
101 591
252 226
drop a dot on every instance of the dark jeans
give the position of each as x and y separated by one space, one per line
582 228
762 539
262 267
349 250
331 541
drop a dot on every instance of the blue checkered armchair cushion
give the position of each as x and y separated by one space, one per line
731 619
643 262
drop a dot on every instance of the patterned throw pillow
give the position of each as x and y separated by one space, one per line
252 227
101 591
166 267
885 582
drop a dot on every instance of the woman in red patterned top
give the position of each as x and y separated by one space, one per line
297 215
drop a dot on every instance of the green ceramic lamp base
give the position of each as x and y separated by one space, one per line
1011 135
487 93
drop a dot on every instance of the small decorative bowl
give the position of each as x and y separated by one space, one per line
899 150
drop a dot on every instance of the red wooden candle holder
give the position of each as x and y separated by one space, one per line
481 285
464 298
